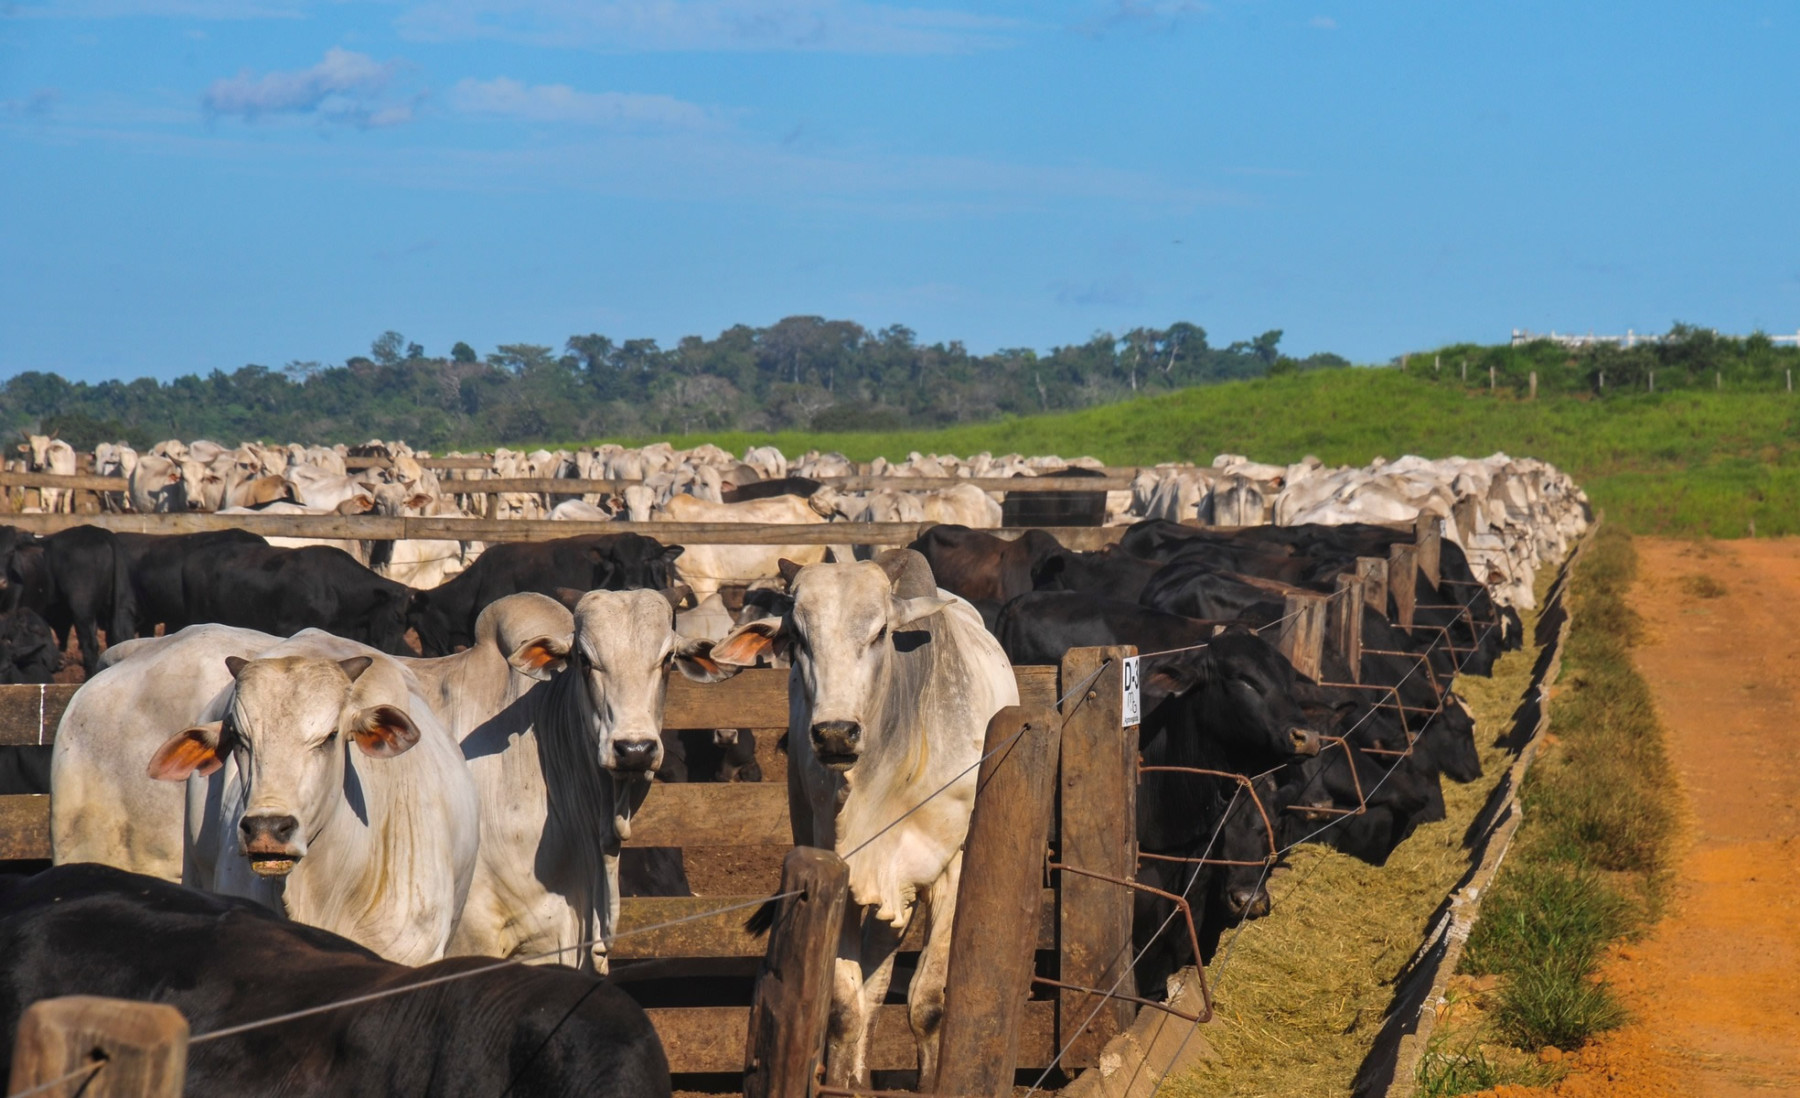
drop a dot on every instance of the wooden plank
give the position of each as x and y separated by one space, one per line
29 713
1403 582
711 1039
997 905
756 698
1344 622
724 935
1373 571
1098 794
24 827
383 528
86 481
141 1048
986 484
1302 635
714 814
788 1015
1428 533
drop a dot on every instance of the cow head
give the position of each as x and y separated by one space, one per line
624 647
290 723
840 635
1238 693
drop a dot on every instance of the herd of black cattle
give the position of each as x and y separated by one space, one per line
1356 767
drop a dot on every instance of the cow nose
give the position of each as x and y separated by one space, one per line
1305 741
1250 904
837 739
268 830
634 754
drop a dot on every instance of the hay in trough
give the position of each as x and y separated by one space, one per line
1301 994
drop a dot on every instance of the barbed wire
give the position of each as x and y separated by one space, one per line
67 1077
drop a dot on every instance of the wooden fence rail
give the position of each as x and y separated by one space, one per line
384 528
573 486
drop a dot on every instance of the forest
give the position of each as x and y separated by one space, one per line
802 373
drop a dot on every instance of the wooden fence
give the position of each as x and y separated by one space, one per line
1082 926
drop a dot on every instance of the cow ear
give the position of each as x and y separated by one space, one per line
1167 679
1047 570
749 642
788 570
197 750
670 552
356 665
694 659
904 612
569 596
383 731
235 665
540 657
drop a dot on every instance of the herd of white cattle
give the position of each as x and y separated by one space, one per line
1515 514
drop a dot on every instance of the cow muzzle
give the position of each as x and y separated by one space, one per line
1304 741
838 744
1245 903
268 842
635 756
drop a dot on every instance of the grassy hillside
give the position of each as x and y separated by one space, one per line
1694 462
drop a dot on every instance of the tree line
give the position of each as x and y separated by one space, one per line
1686 357
804 372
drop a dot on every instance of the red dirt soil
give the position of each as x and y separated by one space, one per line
1714 989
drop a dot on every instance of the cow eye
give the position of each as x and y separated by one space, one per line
330 738
880 634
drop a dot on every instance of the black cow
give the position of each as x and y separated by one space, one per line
1110 572
981 567
709 755
445 616
28 649
156 573
282 591
520 1031
82 582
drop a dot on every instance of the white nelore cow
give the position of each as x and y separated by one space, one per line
892 685
550 747
331 793
706 568
104 807
53 455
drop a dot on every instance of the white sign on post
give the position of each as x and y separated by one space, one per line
1128 707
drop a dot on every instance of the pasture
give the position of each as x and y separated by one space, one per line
1693 462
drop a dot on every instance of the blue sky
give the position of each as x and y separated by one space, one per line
188 185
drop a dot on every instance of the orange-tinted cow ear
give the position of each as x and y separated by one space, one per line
694 659
540 657
196 750
749 642
383 731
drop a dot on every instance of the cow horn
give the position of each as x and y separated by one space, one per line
677 595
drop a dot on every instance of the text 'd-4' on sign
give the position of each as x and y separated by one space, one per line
1128 709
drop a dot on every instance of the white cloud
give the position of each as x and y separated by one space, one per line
1322 22
844 26
508 98
345 87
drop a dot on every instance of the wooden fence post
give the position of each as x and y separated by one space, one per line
1302 638
792 1004
1343 621
1373 571
1427 537
998 906
1403 581
1098 795
1533 385
141 1047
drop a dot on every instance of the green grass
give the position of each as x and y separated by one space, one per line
1689 462
1591 860
1446 1071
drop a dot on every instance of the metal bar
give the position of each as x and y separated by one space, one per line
1164 1007
1249 787
1187 913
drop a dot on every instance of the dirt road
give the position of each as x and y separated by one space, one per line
1715 989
